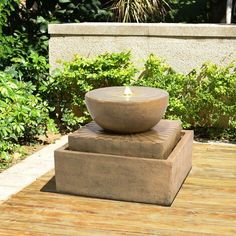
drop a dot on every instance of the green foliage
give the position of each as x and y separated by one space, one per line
66 11
211 96
11 47
190 11
22 114
6 8
32 17
68 86
23 57
18 58
204 100
158 74
32 68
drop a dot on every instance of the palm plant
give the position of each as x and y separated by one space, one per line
138 10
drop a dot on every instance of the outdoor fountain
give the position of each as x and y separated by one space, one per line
128 152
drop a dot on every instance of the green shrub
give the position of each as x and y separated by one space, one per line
32 68
18 58
6 8
68 86
210 98
33 16
11 47
189 11
204 100
158 74
22 114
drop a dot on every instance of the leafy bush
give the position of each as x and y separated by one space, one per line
23 57
204 100
68 86
11 47
32 17
6 8
158 74
22 114
18 58
190 11
211 98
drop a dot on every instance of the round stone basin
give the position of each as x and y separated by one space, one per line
114 111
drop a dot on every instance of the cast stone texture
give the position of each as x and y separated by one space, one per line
124 178
156 143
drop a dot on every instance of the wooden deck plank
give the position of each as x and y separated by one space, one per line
88 231
205 205
92 220
57 216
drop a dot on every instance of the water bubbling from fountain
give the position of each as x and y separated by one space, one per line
127 91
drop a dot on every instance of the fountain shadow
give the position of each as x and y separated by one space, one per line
50 186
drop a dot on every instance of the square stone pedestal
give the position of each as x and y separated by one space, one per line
126 178
156 143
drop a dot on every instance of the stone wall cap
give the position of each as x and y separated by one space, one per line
145 29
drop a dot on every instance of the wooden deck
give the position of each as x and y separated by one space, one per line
206 205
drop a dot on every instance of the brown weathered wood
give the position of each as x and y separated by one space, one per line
205 205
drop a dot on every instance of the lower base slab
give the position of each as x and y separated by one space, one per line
124 178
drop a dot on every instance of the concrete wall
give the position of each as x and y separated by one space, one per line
184 46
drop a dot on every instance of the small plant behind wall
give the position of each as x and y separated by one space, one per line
137 11
69 85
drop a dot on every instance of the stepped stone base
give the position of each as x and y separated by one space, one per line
156 143
124 178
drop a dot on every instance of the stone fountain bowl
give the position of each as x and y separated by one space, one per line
119 113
